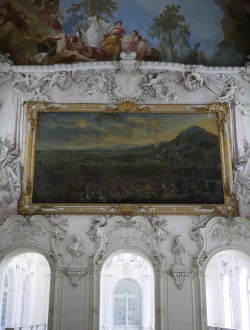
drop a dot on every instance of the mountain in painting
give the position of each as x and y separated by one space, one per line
184 170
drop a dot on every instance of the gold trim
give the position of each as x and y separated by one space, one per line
221 109
127 106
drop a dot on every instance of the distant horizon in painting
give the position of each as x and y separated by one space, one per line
212 32
110 158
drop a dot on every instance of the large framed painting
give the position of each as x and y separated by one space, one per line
128 159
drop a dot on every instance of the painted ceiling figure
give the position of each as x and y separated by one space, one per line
118 29
18 18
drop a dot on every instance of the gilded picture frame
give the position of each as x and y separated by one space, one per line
128 159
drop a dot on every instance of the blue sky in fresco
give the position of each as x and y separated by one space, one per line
203 17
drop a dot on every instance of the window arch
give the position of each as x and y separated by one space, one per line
227 290
127 305
27 280
127 293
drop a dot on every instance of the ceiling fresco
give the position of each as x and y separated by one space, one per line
45 32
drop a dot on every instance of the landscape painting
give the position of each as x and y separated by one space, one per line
46 32
139 158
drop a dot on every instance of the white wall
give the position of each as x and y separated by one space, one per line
180 304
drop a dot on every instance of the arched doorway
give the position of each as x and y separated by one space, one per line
24 291
227 279
127 293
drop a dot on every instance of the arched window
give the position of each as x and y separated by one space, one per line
127 293
5 301
25 283
127 305
228 290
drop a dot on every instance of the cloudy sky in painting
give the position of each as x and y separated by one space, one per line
204 18
84 131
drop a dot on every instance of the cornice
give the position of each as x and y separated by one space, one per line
115 64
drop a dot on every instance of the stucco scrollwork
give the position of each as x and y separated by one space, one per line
229 230
6 71
10 169
121 231
55 256
26 229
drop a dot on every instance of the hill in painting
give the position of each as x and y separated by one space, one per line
186 170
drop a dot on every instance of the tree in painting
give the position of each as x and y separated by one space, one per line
172 31
101 8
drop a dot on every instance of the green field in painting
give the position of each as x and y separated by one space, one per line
186 170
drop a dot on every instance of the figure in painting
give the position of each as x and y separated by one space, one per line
18 18
43 31
69 47
118 29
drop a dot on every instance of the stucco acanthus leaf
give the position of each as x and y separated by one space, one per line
242 178
127 232
55 256
160 231
26 229
6 71
229 230
93 233
10 169
198 238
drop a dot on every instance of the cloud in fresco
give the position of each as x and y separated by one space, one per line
204 18
84 131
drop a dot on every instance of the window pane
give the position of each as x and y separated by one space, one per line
127 303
